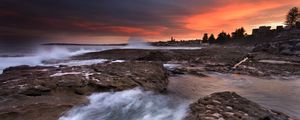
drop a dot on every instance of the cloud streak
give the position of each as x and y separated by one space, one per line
152 19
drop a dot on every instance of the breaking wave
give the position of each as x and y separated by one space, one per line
38 57
134 104
137 43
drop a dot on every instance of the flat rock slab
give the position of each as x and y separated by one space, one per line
205 55
230 106
44 93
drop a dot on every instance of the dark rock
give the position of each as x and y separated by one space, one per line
218 68
54 87
115 54
286 47
297 47
180 70
120 76
129 54
230 106
197 73
157 56
227 55
34 90
286 52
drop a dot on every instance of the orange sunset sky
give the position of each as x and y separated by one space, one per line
114 21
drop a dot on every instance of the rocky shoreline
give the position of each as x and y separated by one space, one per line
47 92
216 58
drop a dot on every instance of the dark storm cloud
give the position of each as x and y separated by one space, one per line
42 18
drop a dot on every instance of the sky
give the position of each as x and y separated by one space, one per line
115 21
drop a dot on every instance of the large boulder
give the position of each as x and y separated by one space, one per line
44 93
230 106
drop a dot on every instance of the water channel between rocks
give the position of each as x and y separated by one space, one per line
277 94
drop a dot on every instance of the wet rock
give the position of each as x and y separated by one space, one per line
178 71
34 90
218 68
286 52
286 47
297 47
129 54
53 87
197 73
268 65
115 54
230 106
157 56
205 55
120 76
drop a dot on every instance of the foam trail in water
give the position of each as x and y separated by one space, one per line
134 104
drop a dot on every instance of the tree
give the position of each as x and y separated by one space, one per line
292 17
212 39
239 33
173 39
222 37
205 38
228 36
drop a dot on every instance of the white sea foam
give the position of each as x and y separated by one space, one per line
62 74
79 62
134 104
118 61
44 54
56 52
137 43
171 66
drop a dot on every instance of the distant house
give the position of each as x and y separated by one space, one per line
265 31
298 25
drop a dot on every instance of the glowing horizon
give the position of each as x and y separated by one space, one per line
114 22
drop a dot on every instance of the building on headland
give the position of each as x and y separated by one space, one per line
279 28
298 25
265 31
281 33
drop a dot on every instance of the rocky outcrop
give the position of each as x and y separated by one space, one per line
286 43
133 54
230 106
29 92
217 59
288 47
279 58
200 55
108 76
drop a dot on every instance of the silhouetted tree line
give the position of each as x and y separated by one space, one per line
223 37
292 21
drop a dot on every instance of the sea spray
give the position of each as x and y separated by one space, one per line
137 43
57 52
42 54
134 104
